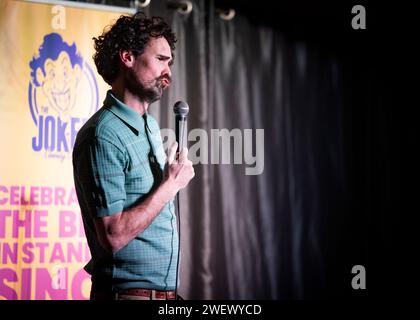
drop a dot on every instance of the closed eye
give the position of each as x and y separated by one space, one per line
165 58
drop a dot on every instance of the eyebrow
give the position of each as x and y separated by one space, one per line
164 57
63 61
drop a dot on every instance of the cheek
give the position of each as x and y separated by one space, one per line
151 70
146 72
47 85
147 77
71 79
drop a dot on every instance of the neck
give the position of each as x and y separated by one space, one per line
125 96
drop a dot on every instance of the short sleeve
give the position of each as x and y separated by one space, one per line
99 177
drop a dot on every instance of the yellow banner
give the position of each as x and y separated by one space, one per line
49 88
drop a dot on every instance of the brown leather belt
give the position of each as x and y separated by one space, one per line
148 293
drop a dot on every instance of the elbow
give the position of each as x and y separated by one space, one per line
112 235
112 243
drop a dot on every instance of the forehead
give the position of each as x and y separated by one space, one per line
63 59
158 46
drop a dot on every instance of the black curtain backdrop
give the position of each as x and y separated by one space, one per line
326 199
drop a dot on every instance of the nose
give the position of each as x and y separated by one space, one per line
167 71
59 83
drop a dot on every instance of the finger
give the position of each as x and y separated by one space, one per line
172 152
183 156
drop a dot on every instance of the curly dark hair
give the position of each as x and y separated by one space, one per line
130 33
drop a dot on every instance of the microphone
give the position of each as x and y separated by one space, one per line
181 109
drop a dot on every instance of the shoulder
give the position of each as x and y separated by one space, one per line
103 126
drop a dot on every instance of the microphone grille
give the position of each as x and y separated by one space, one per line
181 108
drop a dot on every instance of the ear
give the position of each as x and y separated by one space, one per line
39 76
127 58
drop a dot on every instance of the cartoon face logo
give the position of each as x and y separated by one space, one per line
60 82
63 93
57 71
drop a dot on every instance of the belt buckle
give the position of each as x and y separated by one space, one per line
159 295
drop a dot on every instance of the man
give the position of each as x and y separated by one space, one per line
125 189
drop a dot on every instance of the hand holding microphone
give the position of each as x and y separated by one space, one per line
180 170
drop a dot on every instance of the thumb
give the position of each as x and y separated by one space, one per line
172 152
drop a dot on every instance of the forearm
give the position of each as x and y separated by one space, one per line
129 223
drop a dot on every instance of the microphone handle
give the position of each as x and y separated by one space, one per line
180 124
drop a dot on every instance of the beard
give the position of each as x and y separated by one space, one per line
148 94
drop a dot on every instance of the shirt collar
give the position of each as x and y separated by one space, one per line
125 113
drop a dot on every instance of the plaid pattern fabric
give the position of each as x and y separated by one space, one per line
112 172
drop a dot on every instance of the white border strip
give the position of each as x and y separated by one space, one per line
85 5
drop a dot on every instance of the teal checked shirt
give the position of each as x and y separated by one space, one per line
118 159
